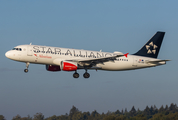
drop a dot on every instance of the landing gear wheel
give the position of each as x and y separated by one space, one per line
27 64
25 70
86 75
76 75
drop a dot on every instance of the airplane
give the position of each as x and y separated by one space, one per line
66 59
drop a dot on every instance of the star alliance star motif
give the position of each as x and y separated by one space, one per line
151 48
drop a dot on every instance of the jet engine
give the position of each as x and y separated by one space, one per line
69 66
53 68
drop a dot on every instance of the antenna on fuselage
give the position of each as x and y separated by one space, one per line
30 43
100 50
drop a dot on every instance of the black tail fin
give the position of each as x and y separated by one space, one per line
152 47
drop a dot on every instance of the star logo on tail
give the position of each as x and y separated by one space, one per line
151 48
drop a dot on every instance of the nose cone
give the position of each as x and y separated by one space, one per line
7 54
11 55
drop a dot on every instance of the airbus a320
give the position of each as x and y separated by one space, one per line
66 59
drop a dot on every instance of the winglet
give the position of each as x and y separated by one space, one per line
126 55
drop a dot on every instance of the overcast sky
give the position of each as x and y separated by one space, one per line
123 26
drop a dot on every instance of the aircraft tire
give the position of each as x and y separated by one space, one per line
86 75
76 75
25 70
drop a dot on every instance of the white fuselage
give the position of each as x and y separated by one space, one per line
54 55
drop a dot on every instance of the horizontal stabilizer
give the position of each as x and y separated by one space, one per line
157 61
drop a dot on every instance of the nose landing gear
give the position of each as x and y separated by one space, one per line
27 65
25 70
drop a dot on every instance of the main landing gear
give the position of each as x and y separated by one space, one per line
85 75
27 65
76 75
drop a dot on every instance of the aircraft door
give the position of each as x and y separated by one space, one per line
29 50
135 62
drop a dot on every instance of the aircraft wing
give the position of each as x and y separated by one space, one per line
93 61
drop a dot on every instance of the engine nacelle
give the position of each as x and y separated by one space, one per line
53 68
68 66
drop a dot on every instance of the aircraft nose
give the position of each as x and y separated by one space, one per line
7 54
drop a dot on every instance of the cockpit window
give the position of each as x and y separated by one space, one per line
18 49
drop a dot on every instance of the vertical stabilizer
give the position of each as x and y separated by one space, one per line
152 47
